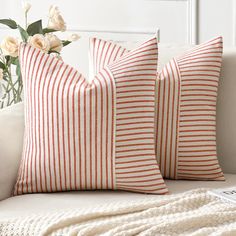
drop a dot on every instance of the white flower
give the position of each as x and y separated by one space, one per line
1 74
39 41
73 37
56 21
10 46
26 6
53 10
55 42
56 55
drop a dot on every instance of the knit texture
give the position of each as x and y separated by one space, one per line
191 213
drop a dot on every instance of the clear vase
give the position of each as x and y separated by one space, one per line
11 91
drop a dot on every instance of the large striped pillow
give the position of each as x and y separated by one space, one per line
84 136
186 108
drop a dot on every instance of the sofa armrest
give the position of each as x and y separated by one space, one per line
11 143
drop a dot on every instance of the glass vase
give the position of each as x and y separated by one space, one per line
11 91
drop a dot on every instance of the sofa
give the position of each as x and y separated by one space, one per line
11 142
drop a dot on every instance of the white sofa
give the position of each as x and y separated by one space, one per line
11 139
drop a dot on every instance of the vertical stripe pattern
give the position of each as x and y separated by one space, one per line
69 127
186 93
167 117
78 135
102 53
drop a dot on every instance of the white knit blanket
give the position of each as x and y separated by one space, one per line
191 213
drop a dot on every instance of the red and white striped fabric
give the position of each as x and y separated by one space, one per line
186 109
84 136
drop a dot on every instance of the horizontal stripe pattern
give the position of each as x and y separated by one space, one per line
197 153
136 165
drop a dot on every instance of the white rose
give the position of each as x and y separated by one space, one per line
1 74
56 21
10 46
55 42
39 41
73 37
26 6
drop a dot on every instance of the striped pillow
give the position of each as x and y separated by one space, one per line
84 136
186 108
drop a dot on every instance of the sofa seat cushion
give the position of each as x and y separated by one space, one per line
45 202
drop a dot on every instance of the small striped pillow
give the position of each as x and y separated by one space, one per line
186 108
84 136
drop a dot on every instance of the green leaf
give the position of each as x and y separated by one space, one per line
47 30
8 22
52 51
23 33
2 65
14 60
8 58
35 28
66 42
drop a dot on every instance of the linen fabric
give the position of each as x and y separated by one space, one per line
186 94
84 136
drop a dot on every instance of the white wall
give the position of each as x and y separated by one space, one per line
179 21
217 17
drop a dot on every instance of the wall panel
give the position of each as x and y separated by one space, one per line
179 21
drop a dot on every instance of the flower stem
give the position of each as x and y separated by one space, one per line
12 86
26 20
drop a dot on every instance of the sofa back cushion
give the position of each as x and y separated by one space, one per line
12 121
11 143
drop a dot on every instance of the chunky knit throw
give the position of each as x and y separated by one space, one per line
192 213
